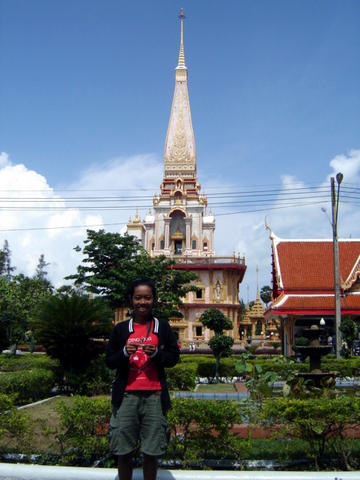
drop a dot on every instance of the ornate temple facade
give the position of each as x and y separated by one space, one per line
180 226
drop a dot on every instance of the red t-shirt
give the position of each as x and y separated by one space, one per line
143 374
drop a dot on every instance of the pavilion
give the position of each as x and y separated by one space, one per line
303 284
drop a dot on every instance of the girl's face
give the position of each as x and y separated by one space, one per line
142 301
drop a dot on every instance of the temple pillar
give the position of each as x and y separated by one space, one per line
211 239
188 221
167 232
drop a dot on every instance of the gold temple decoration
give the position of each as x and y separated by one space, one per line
181 62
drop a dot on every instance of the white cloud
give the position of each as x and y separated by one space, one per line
37 230
349 166
4 159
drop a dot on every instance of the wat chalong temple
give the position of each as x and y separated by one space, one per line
180 225
303 285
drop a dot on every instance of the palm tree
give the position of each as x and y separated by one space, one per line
70 327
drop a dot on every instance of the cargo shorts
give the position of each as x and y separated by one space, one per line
139 420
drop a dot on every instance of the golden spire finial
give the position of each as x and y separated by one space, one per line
181 62
257 283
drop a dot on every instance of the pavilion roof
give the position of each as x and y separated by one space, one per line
308 264
303 276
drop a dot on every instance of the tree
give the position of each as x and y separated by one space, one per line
19 299
41 273
113 261
265 294
5 261
220 344
349 332
69 328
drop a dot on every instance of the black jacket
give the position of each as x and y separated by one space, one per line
166 356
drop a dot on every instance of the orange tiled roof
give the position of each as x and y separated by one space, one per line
308 264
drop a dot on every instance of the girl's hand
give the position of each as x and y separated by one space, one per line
149 349
131 348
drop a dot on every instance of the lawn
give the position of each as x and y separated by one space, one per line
216 388
45 427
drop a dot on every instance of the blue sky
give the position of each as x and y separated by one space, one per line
274 92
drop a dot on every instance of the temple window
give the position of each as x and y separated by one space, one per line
199 293
194 245
153 246
178 198
198 331
162 244
178 247
205 246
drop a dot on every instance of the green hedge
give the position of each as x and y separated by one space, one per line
182 376
27 386
84 425
10 363
206 368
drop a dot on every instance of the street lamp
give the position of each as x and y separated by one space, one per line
335 211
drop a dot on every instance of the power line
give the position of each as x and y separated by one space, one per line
60 227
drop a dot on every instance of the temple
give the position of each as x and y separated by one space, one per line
303 285
181 227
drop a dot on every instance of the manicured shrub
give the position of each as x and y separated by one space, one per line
320 421
206 368
9 363
182 376
27 386
194 358
84 426
201 428
345 367
15 424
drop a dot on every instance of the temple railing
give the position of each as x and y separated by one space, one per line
208 260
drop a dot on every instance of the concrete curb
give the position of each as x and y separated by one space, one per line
9 471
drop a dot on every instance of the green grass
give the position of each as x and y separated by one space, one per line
216 388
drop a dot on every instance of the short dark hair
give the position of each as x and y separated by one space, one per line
142 281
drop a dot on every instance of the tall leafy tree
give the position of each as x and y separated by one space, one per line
220 344
6 269
112 261
41 273
19 299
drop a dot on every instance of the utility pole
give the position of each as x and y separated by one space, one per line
335 211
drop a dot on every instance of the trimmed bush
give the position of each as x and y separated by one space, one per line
206 368
319 421
28 386
10 363
16 425
182 376
201 428
85 426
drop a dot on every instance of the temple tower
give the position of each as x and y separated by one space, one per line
181 227
180 224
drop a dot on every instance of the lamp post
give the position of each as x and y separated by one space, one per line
335 211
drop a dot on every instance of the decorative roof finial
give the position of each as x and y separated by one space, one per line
257 283
181 62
